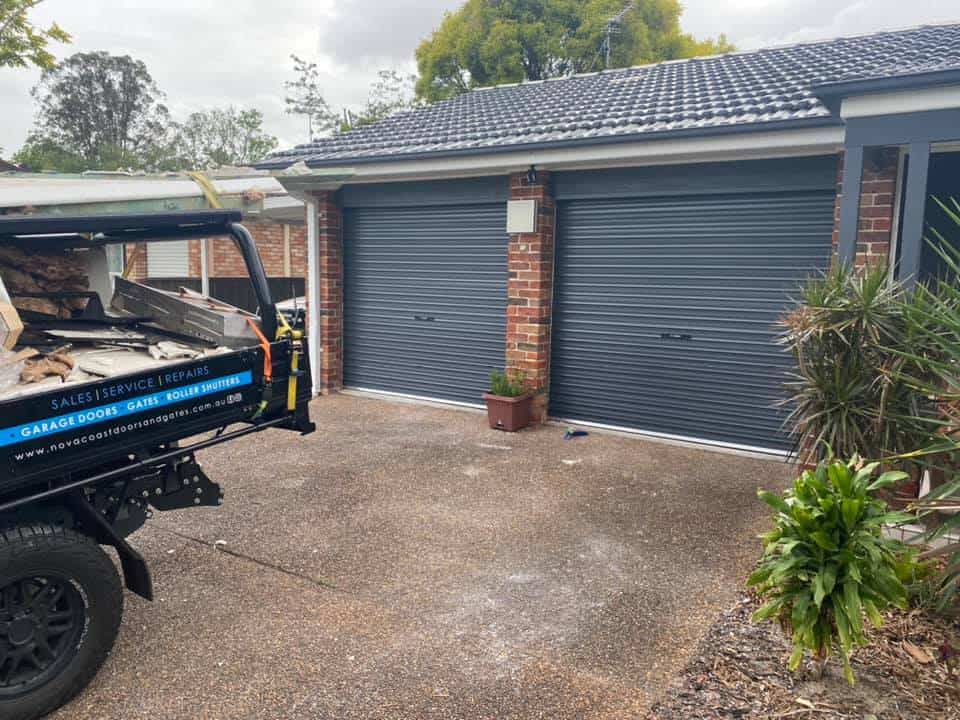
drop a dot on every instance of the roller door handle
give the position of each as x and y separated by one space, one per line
424 318
676 336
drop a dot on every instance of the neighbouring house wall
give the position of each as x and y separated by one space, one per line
878 190
282 247
136 261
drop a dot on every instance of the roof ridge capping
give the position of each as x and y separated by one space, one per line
715 56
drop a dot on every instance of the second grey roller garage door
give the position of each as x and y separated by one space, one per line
425 298
666 305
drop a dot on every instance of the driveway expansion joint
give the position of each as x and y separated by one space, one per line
249 558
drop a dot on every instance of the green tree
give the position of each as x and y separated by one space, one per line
391 93
218 137
487 43
99 110
305 97
41 154
21 42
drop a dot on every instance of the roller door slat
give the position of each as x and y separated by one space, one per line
425 293
665 310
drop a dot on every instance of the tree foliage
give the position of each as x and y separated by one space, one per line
218 137
102 110
41 154
390 93
487 42
21 42
305 98
97 111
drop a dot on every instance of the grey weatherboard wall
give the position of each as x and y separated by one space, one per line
425 288
666 301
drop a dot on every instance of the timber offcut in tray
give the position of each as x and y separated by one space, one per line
56 331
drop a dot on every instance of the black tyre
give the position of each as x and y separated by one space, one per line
60 608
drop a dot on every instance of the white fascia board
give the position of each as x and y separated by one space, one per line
43 190
740 146
313 295
901 101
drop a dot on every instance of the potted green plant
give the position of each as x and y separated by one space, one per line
508 402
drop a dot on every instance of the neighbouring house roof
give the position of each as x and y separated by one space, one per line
256 193
765 89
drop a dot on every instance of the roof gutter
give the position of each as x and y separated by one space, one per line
817 138
611 139
299 179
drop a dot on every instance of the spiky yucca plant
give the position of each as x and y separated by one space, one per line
934 356
848 391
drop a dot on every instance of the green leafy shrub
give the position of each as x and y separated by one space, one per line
826 564
501 384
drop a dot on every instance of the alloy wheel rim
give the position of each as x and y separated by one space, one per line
42 620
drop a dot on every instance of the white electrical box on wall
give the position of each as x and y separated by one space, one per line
521 216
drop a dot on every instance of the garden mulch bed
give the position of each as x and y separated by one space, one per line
739 671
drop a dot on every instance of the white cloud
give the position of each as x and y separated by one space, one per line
758 23
204 53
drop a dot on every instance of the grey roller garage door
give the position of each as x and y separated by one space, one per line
666 304
425 298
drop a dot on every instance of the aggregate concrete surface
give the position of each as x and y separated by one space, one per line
405 561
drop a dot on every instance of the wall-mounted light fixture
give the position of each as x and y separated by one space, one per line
532 175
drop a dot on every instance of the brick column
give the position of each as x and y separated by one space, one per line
330 269
878 189
530 292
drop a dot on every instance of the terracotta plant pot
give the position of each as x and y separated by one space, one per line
508 413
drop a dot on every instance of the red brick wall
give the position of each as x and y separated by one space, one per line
136 256
877 192
530 291
330 261
226 261
194 253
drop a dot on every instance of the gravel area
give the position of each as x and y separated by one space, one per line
407 562
739 671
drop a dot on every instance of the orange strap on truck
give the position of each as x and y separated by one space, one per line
267 355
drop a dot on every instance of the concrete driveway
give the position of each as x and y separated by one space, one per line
406 562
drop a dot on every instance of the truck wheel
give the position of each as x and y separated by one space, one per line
60 608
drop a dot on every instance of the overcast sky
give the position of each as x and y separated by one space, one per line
206 53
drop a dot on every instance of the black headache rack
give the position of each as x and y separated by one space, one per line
81 436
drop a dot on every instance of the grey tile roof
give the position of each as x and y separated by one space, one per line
771 87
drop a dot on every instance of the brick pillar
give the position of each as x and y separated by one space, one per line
330 266
877 192
530 291
136 255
